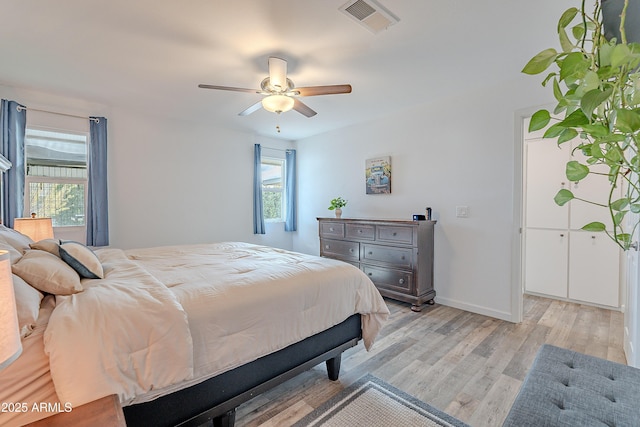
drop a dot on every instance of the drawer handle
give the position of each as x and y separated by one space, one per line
326 246
402 257
360 231
370 274
330 228
395 234
351 250
401 281
370 253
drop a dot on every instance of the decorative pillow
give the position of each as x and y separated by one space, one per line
50 245
14 254
47 273
28 304
14 238
82 259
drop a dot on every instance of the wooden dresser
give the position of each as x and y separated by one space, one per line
397 255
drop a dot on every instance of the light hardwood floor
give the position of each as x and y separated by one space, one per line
469 365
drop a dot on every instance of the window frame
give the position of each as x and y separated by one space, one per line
269 160
29 179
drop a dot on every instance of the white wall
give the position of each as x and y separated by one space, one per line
180 182
457 153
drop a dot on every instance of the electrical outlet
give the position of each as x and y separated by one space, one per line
462 211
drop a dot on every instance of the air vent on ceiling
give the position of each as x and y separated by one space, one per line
370 14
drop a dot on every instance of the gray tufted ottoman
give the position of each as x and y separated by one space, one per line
565 388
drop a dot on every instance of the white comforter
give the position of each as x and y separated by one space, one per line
165 318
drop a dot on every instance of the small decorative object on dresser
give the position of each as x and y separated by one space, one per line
336 205
397 255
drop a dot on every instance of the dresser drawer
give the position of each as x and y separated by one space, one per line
360 231
393 256
394 234
332 229
340 249
400 281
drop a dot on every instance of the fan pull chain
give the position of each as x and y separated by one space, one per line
278 128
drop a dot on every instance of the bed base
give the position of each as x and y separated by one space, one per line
216 399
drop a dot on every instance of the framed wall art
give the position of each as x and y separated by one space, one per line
378 175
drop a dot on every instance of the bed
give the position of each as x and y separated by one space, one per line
181 334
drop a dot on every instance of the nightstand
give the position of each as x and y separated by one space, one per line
102 412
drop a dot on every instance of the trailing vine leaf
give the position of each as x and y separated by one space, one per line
575 119
576 171
594 226
592 99
574 65
627 121
620 204
539 120
619 217
567 135
554 130
540 62
567 17
563 196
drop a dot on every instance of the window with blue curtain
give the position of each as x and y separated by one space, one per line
274 190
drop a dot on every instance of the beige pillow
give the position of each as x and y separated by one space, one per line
50 245
14 254
28 304
47 273
14 238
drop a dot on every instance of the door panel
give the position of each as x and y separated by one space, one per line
546 253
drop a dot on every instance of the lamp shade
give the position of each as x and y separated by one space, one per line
277 103
36 228
10 344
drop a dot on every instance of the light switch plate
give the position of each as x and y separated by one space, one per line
462 211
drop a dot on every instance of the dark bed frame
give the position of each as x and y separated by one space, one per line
217 398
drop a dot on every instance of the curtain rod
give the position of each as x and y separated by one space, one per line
279 149
20 108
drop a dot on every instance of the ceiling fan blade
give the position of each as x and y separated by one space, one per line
323 90
278 73
302 108
235 89
253 108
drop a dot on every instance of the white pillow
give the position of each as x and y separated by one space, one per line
47 273
81 259
28 304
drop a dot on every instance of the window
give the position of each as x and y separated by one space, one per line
273 189
56 182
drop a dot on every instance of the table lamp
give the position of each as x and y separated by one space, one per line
10 344
36 228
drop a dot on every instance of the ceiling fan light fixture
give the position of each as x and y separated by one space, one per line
278 103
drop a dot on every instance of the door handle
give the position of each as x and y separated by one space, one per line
634 246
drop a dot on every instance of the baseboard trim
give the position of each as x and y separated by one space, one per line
478 309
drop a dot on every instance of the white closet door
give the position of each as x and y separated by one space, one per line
545 175
546 261
594 188
594 269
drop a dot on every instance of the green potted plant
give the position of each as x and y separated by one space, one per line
596 83
336 205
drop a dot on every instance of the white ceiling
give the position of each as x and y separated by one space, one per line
150 55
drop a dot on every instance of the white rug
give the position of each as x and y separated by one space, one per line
370 402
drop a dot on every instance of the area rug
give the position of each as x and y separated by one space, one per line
370 402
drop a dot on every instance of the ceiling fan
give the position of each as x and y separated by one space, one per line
280 94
